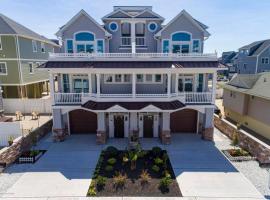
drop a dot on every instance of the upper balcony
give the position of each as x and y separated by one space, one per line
133 57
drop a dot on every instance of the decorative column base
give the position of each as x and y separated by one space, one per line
165 137
59 135
101 137
208 134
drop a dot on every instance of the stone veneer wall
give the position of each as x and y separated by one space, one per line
246 141
10 154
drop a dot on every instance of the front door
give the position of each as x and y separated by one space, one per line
148 122
119 128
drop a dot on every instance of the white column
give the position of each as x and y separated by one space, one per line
98 85
111 125
176 83
214 83
133 121
133 85
90 83
51 79
140 125
133 37
155 124
169 84
59 83
101 121
126 125
166 121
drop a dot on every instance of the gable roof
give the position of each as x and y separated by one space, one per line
200 25
74 18
257 47
251 84
133 12
9 26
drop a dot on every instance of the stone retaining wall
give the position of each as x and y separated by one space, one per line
246 141
10 154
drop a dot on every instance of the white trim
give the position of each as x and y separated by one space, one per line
75 42
22 59
149 24
151 12
34 46
74 18
113 22
5 65
1 44
183 12
114 12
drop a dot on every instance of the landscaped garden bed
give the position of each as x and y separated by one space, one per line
134 173
30 156
238 155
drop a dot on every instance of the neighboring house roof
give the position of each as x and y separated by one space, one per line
251 84
173 105
200 25
256 47
133 12
130 64
9 26
227 57
74 18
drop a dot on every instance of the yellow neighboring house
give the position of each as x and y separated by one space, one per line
246 100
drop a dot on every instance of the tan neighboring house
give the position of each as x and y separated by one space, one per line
247 101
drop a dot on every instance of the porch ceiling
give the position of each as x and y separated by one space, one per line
173 105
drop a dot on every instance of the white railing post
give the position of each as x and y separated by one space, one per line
133 85
98 85
133 38
176 83
52 88
90 84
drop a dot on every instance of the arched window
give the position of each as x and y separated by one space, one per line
84 42
181 37
181 42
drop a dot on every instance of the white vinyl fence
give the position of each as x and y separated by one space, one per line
42 106
7 130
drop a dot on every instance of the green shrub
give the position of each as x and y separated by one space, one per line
101 181
111 161
108 168
92 189
167 174
119 180
34 152
165 182
111 151
142 154
125 159
235 139
165 159
156 151
158 161
145 177
155 168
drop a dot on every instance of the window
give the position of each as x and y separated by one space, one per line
196 46
69 46
148 78
152 26
108 78
31 68
140 29
66 83
265 60
125 29
113 26
158 78
3 68
181 37
181 42
117 78
185 83
85 42
165 46
34 45
180 48
100 46
0 43
42 47
81 85
127 78
139 78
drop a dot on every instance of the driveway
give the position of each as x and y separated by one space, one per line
65 170
203 172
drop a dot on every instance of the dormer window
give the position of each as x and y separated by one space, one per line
152 27
113 26
84 42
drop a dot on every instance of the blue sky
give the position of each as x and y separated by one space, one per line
232 23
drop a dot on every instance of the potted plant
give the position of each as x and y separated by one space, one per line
10 140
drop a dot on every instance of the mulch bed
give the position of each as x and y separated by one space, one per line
233 155
133 185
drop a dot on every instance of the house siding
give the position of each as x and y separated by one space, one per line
264 67
237 102
13 75
37 75
8 47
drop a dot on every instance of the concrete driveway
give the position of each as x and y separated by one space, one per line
64 171
203 172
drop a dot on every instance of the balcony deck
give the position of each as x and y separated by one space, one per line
184 97
133 57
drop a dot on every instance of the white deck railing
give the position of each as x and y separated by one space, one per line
132 55
185 97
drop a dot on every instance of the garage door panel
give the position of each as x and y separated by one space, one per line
184 121
82 122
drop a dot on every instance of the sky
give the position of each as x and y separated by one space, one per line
232 23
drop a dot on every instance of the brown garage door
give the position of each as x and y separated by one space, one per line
184 121
82 122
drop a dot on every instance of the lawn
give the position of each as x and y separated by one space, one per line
134 173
